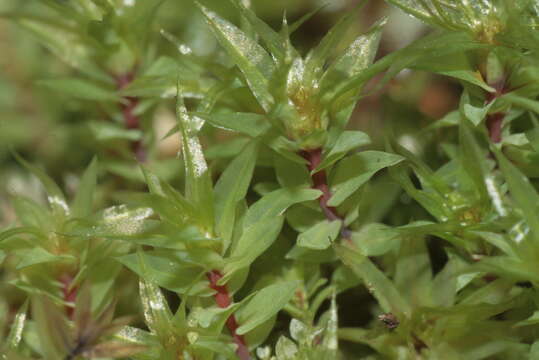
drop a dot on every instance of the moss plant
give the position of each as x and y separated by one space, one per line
282 232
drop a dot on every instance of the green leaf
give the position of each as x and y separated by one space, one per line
276 202
156 311
272 39
469 76
81 89
55 336
522 102
254 62
198 182
256 239
168 202
473 160
458 66
355 59
38 255
320 236
534 351
69 43
169 269
6 234
319 55
17 326
82 204
522 191
509 268
311 256
250 124
533 138
104 131
136 336
532 320
376 239
121 221
331 342
286 349
471 112
232 188
375 280
31 214
265 304
356 170
452 118
55 196
347 141
443 44
290 174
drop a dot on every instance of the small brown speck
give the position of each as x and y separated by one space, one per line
389 320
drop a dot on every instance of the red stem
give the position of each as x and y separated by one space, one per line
70 295
494 126
223 300
131 120
314 157
494 121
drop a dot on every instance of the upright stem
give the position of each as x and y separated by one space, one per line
69 295
131 120
494 121
314 157
223 300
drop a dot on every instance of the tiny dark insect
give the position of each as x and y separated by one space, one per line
389 320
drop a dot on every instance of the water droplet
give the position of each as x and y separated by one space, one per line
263 352
55 200
495 195
192 337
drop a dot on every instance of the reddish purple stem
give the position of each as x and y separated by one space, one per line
131 120
314 157
224 300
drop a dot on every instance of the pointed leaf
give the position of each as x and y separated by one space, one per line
81 89
356 170
231 188
319 55
473 113
522 190
82 204
347 141
198 182
376 281
473 160
276 202
272 39
156 311
55 196
376 239
69 43
265 304
17 326
256 239
290 174
320 236
250 124
38 255
254 62
168 269
55 336
357 57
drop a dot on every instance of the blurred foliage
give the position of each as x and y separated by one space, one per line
356 180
